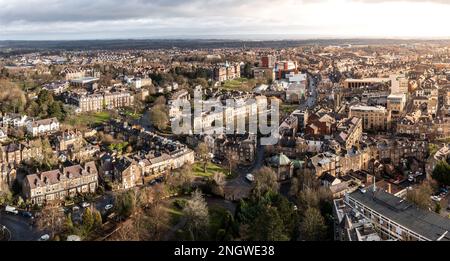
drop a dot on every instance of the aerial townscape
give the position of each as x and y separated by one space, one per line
88 150
198 121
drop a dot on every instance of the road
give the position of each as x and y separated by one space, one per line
20 227
312 99
239 187
101 202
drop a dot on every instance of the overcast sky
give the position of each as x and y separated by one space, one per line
111 19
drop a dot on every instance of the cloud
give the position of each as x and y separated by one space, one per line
80 19
113 10
404 1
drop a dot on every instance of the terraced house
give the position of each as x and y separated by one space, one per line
60 184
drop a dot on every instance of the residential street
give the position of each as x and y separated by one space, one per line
20 227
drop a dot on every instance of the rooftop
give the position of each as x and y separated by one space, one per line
426 223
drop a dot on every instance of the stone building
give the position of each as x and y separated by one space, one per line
59 184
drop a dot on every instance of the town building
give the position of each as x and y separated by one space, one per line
396 218
283 166
349 225
268 61
98 101
227 72
396 104
59 184
349 132
40 127
364 82
373 117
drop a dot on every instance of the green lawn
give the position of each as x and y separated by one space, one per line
288 108
237 84
130 113
211 168
87 119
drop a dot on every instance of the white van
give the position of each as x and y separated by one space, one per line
11 210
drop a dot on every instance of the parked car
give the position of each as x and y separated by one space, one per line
216 161
11 210
250 177
45 237
27 214
85 204
411 178
436 198
75 209
108 207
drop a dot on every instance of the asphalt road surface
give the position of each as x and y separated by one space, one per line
20 227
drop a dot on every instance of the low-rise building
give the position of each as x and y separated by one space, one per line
41 127
396 218
349 225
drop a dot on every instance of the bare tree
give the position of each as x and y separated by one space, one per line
158 222
197 216
202 151
232 161
159 117
12 98
51 218
421 195
265 181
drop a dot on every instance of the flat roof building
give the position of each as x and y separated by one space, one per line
398 219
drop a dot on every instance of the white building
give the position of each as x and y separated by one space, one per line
3 135
36 128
